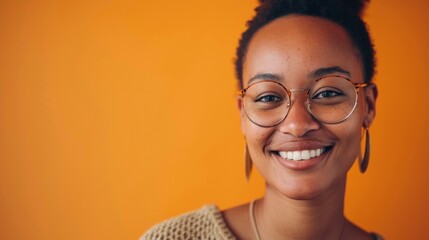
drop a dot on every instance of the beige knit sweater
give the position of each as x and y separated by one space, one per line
206 223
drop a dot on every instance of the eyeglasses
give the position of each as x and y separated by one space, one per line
330 99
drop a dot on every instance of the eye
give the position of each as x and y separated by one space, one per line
327 94
269 98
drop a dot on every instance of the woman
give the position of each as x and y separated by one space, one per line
305 70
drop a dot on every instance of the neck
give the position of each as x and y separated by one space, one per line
280 217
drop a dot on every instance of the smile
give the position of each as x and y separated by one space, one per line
302 155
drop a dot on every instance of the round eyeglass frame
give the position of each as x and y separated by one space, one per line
357 87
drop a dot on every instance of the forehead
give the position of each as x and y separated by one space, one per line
294 46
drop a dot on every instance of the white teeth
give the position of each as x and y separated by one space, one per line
301 155
297 155
305 155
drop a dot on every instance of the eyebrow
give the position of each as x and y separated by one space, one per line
264 76
318 73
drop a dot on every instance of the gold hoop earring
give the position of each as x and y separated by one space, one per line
363 162
247 163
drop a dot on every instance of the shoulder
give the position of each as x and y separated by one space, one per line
205 223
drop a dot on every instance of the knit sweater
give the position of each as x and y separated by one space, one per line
206 223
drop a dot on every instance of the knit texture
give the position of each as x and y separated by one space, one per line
206 223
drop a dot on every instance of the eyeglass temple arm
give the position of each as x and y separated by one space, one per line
242 92
361 85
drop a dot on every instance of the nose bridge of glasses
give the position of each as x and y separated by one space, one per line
298 90
300 100
295 90
299 119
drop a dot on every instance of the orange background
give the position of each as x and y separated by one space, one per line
115 115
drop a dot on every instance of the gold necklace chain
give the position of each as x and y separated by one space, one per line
255 228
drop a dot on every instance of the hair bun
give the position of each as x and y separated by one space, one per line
355 6
349 6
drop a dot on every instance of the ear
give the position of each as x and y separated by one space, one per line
242 114
371 93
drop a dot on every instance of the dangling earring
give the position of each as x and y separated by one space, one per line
247 163
363 162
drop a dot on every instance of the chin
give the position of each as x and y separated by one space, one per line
300 193
305 189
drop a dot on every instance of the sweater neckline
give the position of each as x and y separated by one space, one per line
218 218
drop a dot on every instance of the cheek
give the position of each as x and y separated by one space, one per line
352 139
349 134
255 134
256 138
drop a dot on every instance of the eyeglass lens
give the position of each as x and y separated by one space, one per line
329 99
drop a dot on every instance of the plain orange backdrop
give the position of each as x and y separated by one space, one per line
115 115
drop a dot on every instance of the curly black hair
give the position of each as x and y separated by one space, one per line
346 13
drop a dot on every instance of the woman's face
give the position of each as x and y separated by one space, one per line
297 50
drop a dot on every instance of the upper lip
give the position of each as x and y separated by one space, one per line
299 145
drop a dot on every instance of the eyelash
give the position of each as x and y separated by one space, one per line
272 98
331 93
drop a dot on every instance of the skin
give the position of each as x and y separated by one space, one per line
305 203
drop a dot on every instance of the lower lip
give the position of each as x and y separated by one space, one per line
300 165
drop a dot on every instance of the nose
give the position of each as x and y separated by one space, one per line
299 120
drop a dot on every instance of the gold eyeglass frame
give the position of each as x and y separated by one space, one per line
357 87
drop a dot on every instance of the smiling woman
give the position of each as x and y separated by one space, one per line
116 115
307 98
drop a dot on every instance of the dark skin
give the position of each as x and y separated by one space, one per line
307 203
